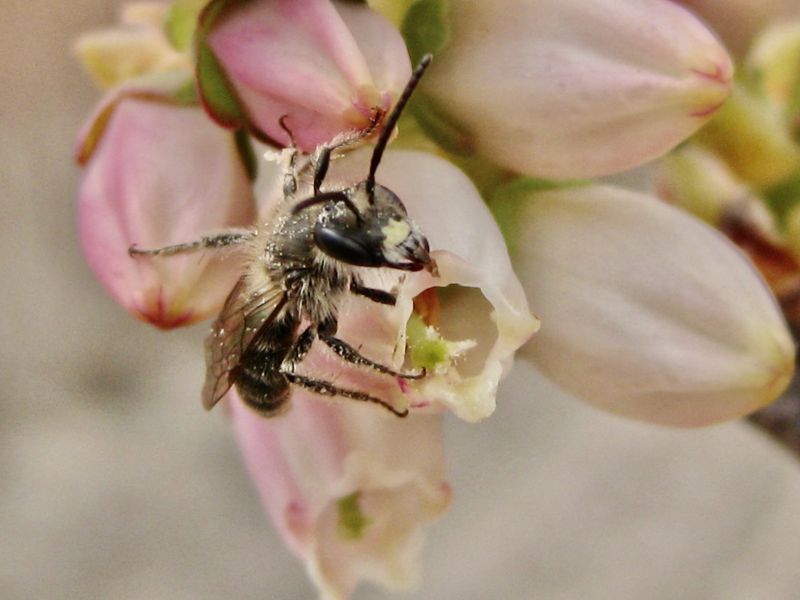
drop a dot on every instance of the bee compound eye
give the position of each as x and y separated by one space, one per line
349 246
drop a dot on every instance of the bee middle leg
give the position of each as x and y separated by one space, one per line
326 334
231 237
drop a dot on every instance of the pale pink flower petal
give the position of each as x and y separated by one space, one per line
162 174
646 311
388 472
325 65
579 88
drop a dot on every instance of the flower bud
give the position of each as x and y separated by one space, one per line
157 173
646 311
577 89
327 65
349 488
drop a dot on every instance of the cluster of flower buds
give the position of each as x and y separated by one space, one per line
645 311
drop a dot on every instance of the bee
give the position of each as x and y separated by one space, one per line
302 263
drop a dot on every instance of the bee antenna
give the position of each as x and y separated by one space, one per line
391 122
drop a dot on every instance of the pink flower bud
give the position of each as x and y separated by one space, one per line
349 487
158 174
581 88
646 311
328 66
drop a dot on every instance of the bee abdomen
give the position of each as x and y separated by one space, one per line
266 392
259 381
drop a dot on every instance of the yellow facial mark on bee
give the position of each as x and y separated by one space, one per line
395 232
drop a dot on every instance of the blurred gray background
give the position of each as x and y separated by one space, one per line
115 484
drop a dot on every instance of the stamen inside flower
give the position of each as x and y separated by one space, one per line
426 347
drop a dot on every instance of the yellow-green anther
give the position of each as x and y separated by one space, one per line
428 349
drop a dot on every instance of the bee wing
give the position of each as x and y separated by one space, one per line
244 313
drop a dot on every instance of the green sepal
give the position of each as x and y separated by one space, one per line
244 147
217 93
426 28
509 202
186 94
351 522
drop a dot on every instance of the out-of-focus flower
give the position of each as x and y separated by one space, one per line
774 62
349 487
577 89
329 66
647 312
137 47
158 173
751 133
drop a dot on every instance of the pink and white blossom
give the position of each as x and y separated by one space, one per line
647 312
349 487
580 88
158 174
329 66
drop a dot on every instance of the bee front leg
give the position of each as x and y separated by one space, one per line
348 353
230 237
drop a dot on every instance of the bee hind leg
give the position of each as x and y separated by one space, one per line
231 237
325 388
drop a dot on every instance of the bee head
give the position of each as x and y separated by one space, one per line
378 235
